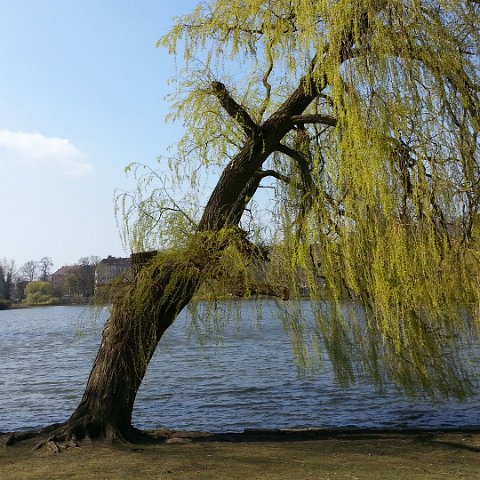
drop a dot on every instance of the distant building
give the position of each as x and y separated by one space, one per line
109 269
59 278
74 281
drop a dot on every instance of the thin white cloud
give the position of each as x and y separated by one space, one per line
37 148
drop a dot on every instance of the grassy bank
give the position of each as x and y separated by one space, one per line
362 456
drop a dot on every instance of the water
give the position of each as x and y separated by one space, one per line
249 382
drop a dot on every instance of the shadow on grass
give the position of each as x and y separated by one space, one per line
431 439
425 436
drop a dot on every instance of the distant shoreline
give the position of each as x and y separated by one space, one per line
19 306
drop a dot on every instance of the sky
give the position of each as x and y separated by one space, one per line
82 95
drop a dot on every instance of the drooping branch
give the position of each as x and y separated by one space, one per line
267 85
302 163
455 76
284 24
261 289
234 109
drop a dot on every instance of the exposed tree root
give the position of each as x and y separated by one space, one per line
12 438
54 445
58 437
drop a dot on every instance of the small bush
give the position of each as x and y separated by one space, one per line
40 293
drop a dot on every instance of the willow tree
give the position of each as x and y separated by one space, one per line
363 119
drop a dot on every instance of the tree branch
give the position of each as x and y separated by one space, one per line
274 174
234 109
314 118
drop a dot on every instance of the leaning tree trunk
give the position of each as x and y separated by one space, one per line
134 329
129 339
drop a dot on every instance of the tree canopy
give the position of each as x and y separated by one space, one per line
373 171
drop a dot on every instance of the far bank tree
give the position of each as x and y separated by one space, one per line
4 291
8 272
44 265
29 270
39 293
362 117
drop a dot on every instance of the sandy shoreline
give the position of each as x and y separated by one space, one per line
287 434
305 434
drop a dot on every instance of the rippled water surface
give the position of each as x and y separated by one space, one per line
249 382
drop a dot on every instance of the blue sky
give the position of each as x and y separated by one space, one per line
82 90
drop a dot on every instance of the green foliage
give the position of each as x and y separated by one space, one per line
39 293
375 199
